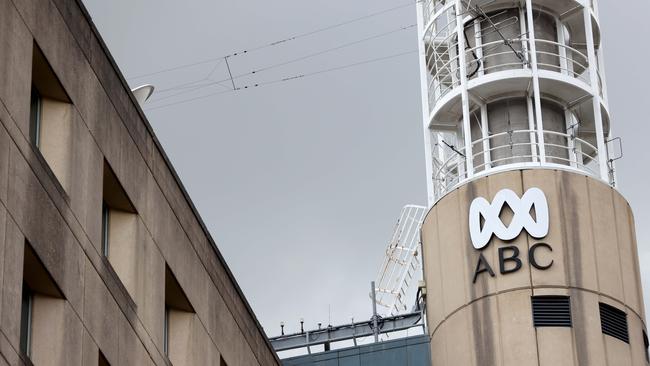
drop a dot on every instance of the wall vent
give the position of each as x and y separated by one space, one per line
614 322
551 311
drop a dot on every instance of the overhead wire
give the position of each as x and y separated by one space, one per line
192 84
278 42
286 79
195 85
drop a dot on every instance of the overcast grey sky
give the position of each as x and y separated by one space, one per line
300 182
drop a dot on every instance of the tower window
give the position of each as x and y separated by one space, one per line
614 322
551 311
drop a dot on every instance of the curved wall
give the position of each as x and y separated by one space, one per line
489 321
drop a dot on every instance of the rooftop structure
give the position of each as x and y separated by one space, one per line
526 91
529 250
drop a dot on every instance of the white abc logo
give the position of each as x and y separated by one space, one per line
522 219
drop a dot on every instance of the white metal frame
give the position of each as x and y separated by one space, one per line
444 82
402 263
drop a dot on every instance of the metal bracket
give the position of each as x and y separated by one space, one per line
620 149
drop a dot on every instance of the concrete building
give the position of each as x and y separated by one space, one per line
105 260
530 254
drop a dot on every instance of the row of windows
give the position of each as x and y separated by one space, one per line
50 117
555 311
39 290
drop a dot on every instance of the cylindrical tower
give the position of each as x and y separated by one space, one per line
530 254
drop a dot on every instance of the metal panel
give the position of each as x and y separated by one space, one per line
614 322
551 311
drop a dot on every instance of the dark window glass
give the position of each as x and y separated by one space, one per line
614 322
26 320
551 311
646 344
222 362
166 332
35 118
102 360
105 221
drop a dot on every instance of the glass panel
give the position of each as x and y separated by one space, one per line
166 332
105 223
25 320
35 118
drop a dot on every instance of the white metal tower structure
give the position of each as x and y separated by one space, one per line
509 85
402 266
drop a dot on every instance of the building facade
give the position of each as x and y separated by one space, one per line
529 249
105 260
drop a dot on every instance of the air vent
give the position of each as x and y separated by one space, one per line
614 322
551 311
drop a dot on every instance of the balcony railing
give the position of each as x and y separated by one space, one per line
518 148
430 8
512 54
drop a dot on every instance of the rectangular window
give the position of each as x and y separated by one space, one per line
119 225
105 226
42 304
51 120
35 110
613 322
179 315
26 307
551 311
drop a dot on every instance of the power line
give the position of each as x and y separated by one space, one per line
278 42
230 74
189 89
286 79
193 86
337 68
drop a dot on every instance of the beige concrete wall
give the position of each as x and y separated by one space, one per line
56 142
120 314
123 248
58 333
490 322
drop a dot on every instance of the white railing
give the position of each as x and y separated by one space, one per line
401 269
512 149
441 48
571 62
430 8
443 63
